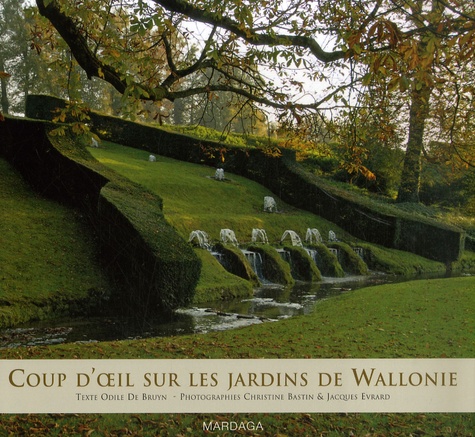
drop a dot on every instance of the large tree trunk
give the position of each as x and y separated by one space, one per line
5 102
411 172
178 112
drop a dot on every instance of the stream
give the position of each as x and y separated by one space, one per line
269 304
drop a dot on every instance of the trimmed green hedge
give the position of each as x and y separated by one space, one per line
327 262
236 263
153 266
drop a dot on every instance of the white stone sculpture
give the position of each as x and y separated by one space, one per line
294 238
313 234
201 237
269 204
228 236
259 234
152 158
219 175
332 236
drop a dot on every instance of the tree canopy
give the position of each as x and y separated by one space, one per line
402 65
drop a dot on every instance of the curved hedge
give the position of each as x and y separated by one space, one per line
154 267
236 263
327 262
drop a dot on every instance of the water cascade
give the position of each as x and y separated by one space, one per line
255 261
331 239
201 237
285 255
219 257
313 236
259 234
228 236
359 252
294 238
334 251
312 253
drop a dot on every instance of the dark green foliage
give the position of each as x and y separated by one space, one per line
302 265
349 260
384 162
236 263
43 107
324 165
466 263
274 268
327 262
470 243
439 190
52 170
446 186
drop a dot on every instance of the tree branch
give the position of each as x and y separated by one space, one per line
94 67
74 38
250 35
176 74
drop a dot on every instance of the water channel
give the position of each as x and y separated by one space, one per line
268 305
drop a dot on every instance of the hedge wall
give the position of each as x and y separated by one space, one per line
284 178
157 268
53 174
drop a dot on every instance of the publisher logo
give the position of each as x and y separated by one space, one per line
224 425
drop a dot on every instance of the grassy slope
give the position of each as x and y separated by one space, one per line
194 200
37 275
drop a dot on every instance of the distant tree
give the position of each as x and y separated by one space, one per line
13 51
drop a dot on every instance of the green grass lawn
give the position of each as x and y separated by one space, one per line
47 254
428 318
193 199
